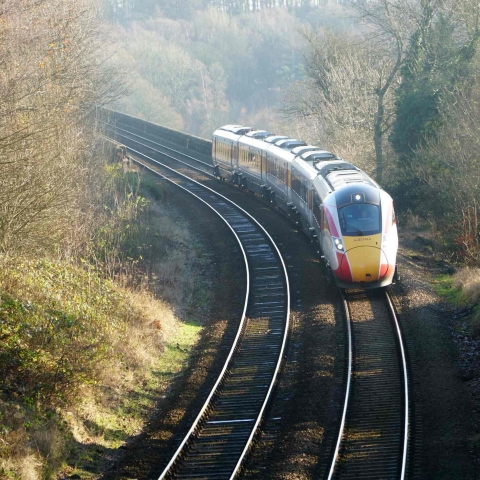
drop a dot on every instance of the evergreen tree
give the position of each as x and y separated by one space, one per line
435 67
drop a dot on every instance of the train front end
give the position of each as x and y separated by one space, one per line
359 237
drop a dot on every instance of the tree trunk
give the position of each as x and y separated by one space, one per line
378 136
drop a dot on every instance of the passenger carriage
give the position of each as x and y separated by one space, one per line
334 202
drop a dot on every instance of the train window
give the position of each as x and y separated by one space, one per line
295 183
270 165
255 161
276 169
244 157
303 191
360 219
316 207
324 220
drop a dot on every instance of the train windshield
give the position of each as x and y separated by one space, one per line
360 219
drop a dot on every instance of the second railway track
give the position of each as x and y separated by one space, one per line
131 136
221 435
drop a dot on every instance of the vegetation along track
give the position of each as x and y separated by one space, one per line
225 427
373 438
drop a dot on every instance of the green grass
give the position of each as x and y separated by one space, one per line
444 287
177 350
153 187
65 331
112 428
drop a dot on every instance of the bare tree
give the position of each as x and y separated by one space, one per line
345 75
54 72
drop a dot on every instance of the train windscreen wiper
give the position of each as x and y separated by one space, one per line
359 232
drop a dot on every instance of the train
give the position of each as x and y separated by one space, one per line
334 202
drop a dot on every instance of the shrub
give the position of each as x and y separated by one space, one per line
53 322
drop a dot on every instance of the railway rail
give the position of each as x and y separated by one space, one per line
374 430
142 140
373 436
225 427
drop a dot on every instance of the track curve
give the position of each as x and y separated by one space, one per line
222 433
373 442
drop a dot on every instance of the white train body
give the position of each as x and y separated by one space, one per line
334 202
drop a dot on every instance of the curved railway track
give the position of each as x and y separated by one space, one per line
374 429
224 429
373 438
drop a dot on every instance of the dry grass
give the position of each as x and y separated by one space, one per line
168 255
140 334
468 279
94 354
17 456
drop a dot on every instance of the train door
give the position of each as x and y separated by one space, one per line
233 155
288 181
316 210
268 168
263 159
283 177
309 211
304 196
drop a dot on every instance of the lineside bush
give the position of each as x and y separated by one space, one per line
81 364
468 280
86 346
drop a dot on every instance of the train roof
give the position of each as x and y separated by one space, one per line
274 138
339 174
307 169
289 143
237 129
253 142
261 134
336 173
303 149
318 155
275 151
225 134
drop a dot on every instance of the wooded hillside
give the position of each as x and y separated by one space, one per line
390 85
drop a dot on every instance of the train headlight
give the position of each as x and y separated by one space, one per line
338 244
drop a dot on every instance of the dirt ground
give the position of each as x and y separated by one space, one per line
297 432
445 413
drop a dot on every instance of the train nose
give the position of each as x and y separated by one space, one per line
367 264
